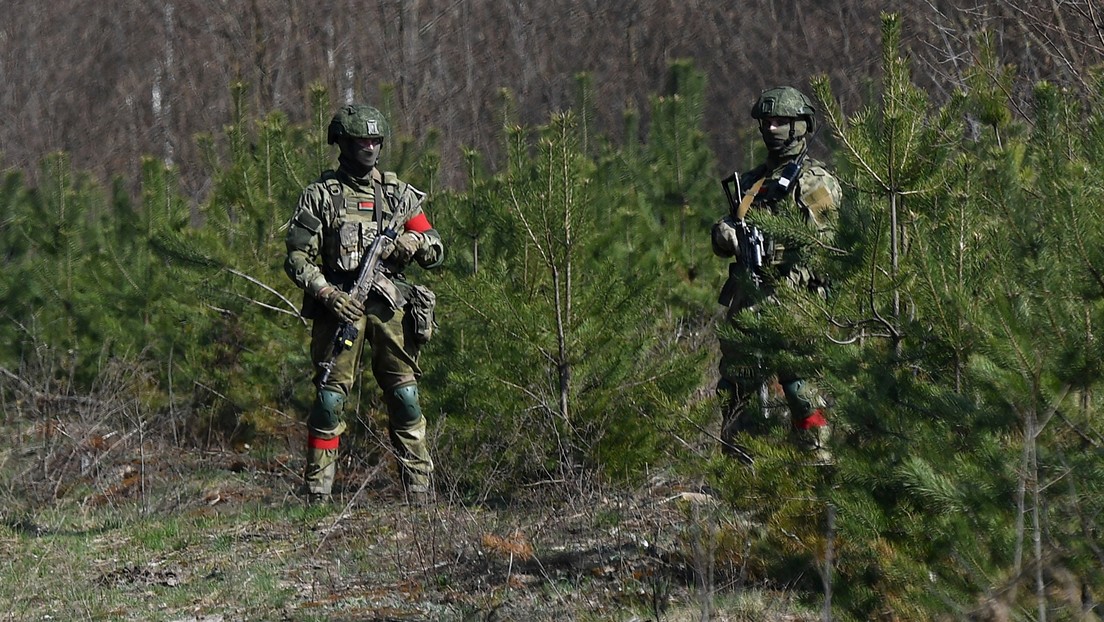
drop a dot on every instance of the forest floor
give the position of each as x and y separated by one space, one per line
176 535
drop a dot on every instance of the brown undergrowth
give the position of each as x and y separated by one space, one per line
111 517
224 537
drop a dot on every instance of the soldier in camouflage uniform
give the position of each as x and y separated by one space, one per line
786 118
336 220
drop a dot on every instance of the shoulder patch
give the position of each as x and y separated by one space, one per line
820 192
308 221
819 201
818 180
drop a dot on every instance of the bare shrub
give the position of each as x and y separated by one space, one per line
86 447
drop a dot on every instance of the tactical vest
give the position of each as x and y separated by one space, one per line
778 199
357 219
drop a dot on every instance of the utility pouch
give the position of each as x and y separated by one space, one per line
353 239
390 292
421 309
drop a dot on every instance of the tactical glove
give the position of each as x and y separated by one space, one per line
344 306
406 245
725 243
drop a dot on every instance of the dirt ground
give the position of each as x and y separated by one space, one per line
165 533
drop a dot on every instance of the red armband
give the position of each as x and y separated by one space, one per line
816 419
419 224
322 443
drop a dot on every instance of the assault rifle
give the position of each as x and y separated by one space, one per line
751 245
370 271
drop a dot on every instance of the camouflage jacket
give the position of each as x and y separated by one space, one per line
336 220
814 200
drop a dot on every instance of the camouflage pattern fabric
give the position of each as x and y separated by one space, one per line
814 200
784 101
336 220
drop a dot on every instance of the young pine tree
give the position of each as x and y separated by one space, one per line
556 369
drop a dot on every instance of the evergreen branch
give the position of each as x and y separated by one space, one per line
872 289
517 337
173 248
122 267
1079 430
701 430
837 120
1085 524
1086 257
1053 408
540 402
545 255
1023 358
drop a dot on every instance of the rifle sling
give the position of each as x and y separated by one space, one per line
380 200
383 283
749 198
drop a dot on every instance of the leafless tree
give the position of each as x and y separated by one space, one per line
111 82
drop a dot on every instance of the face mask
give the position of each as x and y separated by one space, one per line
777 138
360 155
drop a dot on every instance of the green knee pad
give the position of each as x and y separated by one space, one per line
326 412
402 405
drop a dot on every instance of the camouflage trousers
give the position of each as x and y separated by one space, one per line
752 392
394 363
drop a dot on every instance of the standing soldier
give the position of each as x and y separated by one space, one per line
788 184
336 221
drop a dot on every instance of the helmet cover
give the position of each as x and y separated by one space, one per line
784 101
357 121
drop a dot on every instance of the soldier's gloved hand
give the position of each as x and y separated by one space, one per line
344 306
402 251
725 242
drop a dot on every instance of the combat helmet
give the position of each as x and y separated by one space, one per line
357 121
784 101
